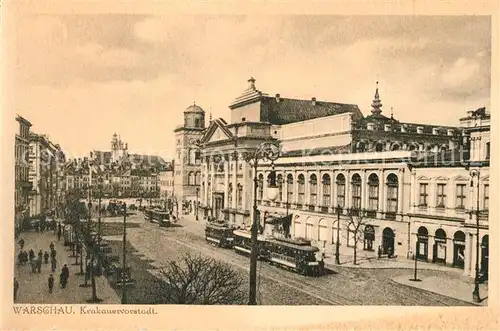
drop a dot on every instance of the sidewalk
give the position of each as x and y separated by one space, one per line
450 286
33 287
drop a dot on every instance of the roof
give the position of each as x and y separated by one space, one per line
478 113
317 151
194 108
22 119
279 111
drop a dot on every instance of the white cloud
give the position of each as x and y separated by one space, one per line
461 74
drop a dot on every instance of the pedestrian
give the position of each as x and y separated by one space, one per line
64 276
31 255
51 245
51 283
25 257
53 253
20 257
21 243
39 264
379 252
16 288
46 257
62 282
53 264
40 254
33 266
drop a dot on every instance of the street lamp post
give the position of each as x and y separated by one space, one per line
415 277
197 193
337 243
475 294
124 287
265 151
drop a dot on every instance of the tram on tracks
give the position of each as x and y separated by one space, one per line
219 235
148 214
243 243
162 218
295 255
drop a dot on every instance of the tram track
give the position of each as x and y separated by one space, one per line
303 285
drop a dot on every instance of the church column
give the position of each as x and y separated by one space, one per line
307 190
414 189
295 188
247 185
467 253
381 191
334 199
364 188
226 181
234 165
205 180
348 191
212 185
400 190
319 192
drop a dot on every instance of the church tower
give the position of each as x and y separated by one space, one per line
187 161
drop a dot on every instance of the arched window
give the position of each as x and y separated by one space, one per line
326 182
340 190
230 194
309 229
197 179
360 147
191 178
356 192
289 188
239 193
373 192
280 187
487 156
313 188
392 193
301 180
260 189
395 147
379 147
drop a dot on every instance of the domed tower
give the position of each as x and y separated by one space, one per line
194 117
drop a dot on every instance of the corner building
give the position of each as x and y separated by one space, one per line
332 156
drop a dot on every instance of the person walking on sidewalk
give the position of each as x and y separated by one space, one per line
31 255
64 276
16 288
39 264
53 264
51 283
46 257
21 243
40 254
51 245
33 266
59 230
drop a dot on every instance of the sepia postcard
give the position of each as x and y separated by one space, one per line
166 165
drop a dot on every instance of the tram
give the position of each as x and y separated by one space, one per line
162 218
219 235
243 243
295 255
148 214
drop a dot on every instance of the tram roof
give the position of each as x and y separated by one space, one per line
217 226
247 234
296 246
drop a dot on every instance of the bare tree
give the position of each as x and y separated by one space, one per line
356 226
200 280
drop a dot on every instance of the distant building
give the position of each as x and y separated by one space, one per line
21 171
166 182
187 173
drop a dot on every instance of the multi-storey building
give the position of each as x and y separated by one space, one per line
166 182
21 171
46 160
187 173
333 159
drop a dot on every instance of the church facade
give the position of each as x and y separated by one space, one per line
339 168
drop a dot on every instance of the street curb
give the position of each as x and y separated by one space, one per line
443 295
382 267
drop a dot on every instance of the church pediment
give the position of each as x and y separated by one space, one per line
460 178
217 132
442 178
423 178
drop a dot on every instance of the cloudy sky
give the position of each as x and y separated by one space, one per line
81 78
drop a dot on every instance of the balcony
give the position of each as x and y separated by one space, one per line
324 209
311 207
371 213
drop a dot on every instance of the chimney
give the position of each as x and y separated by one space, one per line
420 129
387 127
313 101
403 128
278 97
435 131
450 132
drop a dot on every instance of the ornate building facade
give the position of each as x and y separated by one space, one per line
370 168
21 171
187 172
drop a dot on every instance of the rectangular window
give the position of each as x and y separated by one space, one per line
356 196
373 197
441 196
486 197
341 195
460 203
289 190
392 198
326 195
422 201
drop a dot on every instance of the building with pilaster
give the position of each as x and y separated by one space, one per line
335 163
21 171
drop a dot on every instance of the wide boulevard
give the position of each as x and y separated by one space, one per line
341 286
